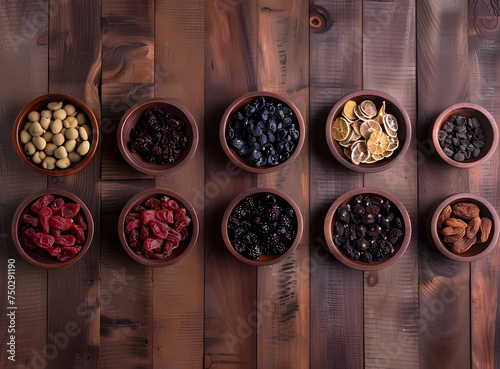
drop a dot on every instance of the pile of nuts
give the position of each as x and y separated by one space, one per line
461 227
56 137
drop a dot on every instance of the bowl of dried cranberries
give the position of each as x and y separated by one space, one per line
262 132
158 227
157 136
52 229
262 226
367 229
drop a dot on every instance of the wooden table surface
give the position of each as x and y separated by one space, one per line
210 310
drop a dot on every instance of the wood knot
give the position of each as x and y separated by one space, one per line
319 20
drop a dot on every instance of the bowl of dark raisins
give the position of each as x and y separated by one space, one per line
157 136
465 135
355 117
367 229
158 227
262 226
52 229
262 132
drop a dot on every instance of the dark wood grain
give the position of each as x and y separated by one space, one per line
24 57
484 61
75 30
444 294
336 290
178 299
230 285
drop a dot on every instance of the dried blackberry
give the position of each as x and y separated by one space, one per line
278 248
255 252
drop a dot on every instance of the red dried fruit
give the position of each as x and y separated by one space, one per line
138 209
144 232
78 219
139 250
68 253
181 224
57 205
24 227
55 232
45 214
153 203
133 239
54 251
168 247
173 236
152 243
69 210
27 236
41 203
60 223
43 240
65 241
29 220
155 255
147 216
78 232
179 213
132 216
165 215
184 234
136 223
170 205
159 229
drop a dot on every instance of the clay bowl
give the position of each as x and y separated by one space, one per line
399 247
47 261
39 104
240 102
284 201
488 125
184 247
479 250
393 107
135 113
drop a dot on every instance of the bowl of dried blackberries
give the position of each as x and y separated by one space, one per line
157 136
465 135
262 226
262 132
367 229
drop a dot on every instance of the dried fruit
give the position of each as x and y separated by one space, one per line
445 214
65 241
41 203
136 223
153 203
78 232
369 127
133 239
152 244
485 228
147 216
29 220
165 215
466 210
159 229
43 240
56 205
68 253
473 227
69 210
340 129
461 138
44 215
450 231
454 222
27 237
60 223
455 237
463 244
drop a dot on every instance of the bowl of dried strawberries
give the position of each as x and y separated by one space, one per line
52 229
464 227
158 227
367 229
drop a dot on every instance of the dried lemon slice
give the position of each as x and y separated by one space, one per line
354 136
345 143
368 127
377 157
390 132
347 152
387 153
380 116
359 114
390 122
378 143
393 144
355 126
359 152
348 110
370 160
368 108
340 129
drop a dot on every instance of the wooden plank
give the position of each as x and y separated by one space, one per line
74 69
283 65
336 290
230 285
24 52
444 293
484 61
391 294
178 299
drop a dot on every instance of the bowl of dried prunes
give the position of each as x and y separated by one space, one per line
367 229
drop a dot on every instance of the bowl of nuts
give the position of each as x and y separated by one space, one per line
262 226
262 132
157 136
52 229
368 131
56 135
158 227
367 229
464 227
465 135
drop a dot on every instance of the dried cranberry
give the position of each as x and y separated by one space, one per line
80 221
66 240
78 232
179 213
169 246
43 240
170 205
29 220
148 216
132 216
53 251
136 223
159 229
69 210
57 205
144 233
60 223
41 203
27 237
182 224
153 203
165 215
138 209
55 232
152 243
68 253
133 239
45 214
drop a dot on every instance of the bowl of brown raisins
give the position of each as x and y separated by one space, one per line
367 229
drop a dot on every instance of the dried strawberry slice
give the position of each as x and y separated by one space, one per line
148 216
41 203
45 214
60 223
165 215
152 243
159 229
57 205
69 210
43 240
136 223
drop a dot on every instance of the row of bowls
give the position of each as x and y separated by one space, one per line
131 117
476 252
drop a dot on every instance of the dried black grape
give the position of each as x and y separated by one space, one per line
461 137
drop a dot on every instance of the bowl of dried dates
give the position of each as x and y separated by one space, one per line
367 229
56 135
465 135
157 136
158 227
464 227
262 132
52 229
262 226
368 131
